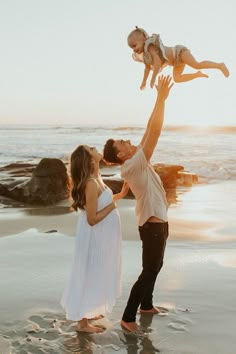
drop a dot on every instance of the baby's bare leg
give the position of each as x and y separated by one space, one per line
188 59
180 77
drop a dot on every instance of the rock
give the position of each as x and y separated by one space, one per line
48 184
18 169
186 178
17 166
50 167
114 182
167 173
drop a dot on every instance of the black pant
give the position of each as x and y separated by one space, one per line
153 236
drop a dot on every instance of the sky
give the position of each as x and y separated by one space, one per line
68 62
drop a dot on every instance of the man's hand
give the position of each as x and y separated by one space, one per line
156 120
164 86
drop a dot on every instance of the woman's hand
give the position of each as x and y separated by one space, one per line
114 204
123 192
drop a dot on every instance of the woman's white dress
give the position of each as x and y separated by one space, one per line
95 280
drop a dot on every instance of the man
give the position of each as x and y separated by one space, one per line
151 205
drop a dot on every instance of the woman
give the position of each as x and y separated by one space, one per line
95 279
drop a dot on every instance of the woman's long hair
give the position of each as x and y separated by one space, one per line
81 168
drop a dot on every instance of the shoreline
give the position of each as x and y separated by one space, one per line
195 212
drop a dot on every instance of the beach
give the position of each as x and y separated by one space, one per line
70 77
196 284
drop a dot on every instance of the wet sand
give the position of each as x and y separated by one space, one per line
196 285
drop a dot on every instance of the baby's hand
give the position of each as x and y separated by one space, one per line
152 83
143 85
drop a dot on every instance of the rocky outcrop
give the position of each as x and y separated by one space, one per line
168 174
47 185
47 182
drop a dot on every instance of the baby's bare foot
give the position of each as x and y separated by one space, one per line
224 69
201 74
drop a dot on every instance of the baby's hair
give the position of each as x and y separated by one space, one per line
139 31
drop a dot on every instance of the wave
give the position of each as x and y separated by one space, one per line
70 127
201 129
129 128
208 154
28 127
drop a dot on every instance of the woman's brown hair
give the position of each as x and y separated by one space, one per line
81 168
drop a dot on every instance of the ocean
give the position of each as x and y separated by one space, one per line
208 152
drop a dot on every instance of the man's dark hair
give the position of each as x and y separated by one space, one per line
110 152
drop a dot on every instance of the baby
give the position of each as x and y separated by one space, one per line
151 51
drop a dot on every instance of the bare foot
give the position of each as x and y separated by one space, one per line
131 327
201 74
154 310
224 69
89 329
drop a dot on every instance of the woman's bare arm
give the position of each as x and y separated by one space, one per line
123 192
93 216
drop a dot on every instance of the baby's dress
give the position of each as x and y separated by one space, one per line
146 57
155 40
95 280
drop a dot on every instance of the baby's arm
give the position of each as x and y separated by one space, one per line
156 64
145 76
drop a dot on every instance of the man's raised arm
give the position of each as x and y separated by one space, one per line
156 119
